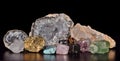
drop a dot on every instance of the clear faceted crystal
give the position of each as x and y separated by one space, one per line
14 40
52 28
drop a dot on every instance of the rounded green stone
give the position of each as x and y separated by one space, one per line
93 48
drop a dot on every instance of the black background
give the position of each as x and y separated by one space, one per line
100 15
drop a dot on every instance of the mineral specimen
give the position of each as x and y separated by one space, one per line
50 50
62 49
100 47
86 32
34 43
53 27
84 45
14 40
74 49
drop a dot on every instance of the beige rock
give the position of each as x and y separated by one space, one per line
79 32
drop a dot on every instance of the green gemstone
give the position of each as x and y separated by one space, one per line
93 48
100 47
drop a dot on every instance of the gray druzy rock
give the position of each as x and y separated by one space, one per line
52 27
14 40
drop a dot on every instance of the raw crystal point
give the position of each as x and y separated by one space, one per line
74 49
50 50
100 47
86 32
14 40
34 44
62 49
84 45
53 27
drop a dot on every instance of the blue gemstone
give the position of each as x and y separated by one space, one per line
49 50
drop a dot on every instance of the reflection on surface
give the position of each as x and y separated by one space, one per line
8 56
38 57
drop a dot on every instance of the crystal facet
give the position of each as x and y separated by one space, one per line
53 27
14 40
34 44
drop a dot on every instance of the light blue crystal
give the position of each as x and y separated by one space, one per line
49 50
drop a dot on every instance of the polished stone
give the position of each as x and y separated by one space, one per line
49 50
74 49
62 49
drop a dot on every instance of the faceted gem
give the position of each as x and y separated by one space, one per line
14 40
84 45
100 47
62 49
53 27
74 49
50 50
34 43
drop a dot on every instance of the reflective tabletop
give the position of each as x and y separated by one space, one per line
8 56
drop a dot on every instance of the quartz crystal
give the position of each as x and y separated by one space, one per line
62 49
14 40
50 50
53 27
34 43
100 47
79 32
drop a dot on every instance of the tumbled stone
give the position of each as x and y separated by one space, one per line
14 40
34 43
74 49
62 49
100 47
79 32
84 45
53 27
50 50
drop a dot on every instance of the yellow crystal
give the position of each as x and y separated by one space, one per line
34 43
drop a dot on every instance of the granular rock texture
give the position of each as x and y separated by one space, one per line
14 40
52 28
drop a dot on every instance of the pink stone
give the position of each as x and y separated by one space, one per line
62 49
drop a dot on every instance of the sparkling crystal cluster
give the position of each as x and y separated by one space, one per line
57 34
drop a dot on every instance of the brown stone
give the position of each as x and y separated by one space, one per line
79 32
34 44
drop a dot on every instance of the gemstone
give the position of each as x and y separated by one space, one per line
14 40
79 32
84 45
62 49
100 47
53 27
50 50
74 49
34 43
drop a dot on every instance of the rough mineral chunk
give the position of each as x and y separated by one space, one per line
100 47
62 49
86 32
84 45
34 44
14 40
53 27
50 50
74 49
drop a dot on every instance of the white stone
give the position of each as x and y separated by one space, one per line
14 40
52 28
